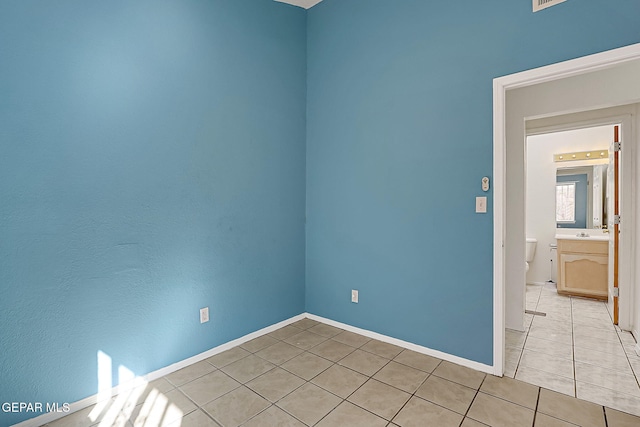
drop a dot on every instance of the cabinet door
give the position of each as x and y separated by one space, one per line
583 274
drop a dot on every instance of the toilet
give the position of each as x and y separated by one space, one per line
531 251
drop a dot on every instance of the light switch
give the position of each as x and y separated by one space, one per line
481 205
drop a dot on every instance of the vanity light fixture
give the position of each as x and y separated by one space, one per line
581 155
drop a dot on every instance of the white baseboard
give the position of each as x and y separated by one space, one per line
415 347
92 400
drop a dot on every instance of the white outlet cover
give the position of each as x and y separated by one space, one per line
354 296
204 315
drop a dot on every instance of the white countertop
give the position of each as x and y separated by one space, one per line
599 237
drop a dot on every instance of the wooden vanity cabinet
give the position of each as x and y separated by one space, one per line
583 268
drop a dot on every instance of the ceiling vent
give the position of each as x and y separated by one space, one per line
538 5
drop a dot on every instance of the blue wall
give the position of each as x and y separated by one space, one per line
152 162
399 135
581 200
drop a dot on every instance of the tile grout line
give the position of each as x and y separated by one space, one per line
535 411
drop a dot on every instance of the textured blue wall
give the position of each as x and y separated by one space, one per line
152 162
399 135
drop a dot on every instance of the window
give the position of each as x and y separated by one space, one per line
566 202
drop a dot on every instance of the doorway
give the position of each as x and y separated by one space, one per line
581 85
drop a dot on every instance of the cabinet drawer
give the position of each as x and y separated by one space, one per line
584 246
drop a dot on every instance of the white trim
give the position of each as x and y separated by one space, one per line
638 348
405 344
91 400
544 74
499 207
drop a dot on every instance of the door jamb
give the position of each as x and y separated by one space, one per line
544 74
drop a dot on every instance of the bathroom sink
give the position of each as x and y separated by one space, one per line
582 236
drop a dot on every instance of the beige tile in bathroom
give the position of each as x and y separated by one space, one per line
584 331
626 337
510 370
552 348
562 337
512 355
594 323
547 323
515 338
547 363
605 360
547 380
599 345
622 381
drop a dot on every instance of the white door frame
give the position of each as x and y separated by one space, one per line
501 85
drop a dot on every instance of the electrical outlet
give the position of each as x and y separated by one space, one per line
354 296
204 315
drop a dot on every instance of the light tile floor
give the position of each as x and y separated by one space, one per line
575 350
312 374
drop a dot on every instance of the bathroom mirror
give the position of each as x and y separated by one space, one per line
581 197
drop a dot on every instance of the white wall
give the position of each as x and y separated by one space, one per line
541 184
609 87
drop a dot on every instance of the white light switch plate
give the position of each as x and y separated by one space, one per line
354 295
204 315
481 205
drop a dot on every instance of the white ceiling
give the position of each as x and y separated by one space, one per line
307 4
